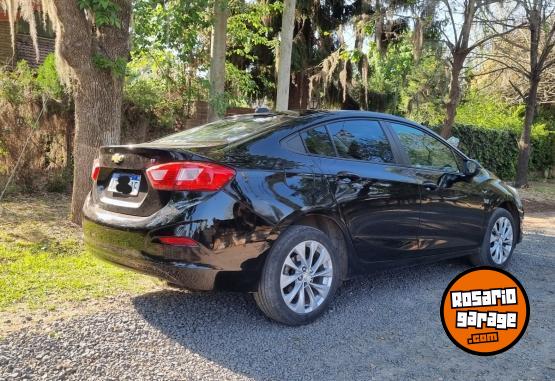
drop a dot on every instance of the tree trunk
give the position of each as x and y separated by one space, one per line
459 52
454 97
217 62
285 48
69 136
97 123
97 92
534 26
379 29
423 22
524 141
418 40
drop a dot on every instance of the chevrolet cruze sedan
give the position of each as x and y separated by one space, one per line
287 206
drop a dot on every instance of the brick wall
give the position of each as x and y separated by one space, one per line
199 115
6 51
25 51
239 111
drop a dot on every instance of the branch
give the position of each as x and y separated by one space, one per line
548 64
502 69
549 43
517 67
515 88
494 35
514 43
450 11
449 44
501 23
491 82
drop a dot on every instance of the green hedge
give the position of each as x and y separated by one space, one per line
497 149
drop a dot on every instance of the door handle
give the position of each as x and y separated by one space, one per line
344 175
429 185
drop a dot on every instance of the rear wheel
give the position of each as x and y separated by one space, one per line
499 240
300 276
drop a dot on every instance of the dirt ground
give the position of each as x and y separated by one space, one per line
384 326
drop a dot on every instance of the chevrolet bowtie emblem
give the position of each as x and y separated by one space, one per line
117 158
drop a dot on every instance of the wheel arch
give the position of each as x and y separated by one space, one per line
513 209
334 228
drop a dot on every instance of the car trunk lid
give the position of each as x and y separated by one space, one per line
122 185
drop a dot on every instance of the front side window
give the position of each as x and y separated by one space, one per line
361 140
317 141
425 151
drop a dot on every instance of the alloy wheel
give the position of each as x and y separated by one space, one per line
306 277
501 240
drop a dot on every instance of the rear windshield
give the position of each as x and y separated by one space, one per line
226 130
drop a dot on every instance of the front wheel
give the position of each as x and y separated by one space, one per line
499 240
300 276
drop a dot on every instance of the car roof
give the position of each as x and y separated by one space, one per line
328 114
311 117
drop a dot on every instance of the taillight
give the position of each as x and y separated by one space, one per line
177 241
189 176
95 169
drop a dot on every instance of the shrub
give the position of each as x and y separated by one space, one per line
497 148
489 111
422 97
47 78
22 91
162 89
18 85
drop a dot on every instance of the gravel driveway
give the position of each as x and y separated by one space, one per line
385 326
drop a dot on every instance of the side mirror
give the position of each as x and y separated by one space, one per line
471 167
453 141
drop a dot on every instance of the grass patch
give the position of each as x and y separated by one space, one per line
546 188
542 191
42 260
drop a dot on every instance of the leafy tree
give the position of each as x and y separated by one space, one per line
252 43
92 47
176 50
177 26
421 96
171 44
343 76
460 43
537 45
423 12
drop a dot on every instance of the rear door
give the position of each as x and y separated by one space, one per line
378 200
452 211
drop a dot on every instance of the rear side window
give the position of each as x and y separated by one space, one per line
295 143
317 141
424 150
361 140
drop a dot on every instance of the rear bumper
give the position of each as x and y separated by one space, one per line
181 266
229 255
178 274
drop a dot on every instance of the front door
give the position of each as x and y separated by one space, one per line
452 211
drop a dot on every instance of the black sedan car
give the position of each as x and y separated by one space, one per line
288 205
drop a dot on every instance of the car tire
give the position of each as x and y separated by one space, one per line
499 240
294 292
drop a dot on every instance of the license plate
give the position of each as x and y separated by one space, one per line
125 183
